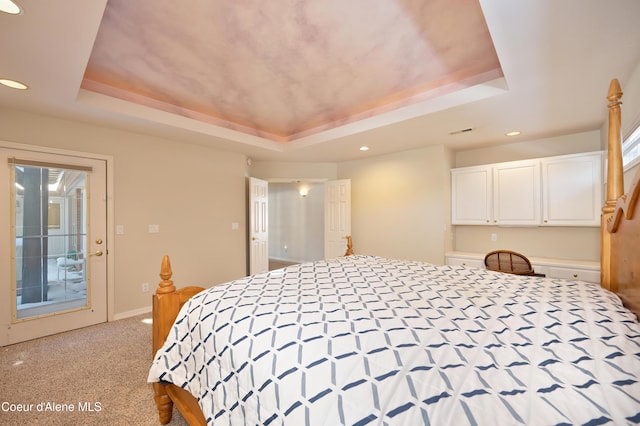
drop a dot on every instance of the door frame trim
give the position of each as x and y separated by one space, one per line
108 159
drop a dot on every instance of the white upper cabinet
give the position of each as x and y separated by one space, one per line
572 190
556 191
471 196
496 194
516 193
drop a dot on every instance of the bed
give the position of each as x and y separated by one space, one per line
364 340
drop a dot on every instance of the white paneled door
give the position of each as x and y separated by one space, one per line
259 226
53 257
337 217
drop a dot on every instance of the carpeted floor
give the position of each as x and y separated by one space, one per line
92 376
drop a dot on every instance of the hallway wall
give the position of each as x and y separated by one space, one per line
296 223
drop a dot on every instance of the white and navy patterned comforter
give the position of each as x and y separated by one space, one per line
366 341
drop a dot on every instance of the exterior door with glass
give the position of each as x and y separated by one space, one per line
53 257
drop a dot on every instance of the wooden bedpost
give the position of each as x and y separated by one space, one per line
615 182
166 304
349 251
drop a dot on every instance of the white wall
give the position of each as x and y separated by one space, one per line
296 223
630 86
193 192
267 170
547 147
399 203
630 115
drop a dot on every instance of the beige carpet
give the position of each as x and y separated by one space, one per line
92 376
277 264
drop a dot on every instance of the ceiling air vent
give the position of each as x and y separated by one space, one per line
456 132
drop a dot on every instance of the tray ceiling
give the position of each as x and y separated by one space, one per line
287 70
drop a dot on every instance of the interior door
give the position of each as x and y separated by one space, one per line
337 217
259 226
54 260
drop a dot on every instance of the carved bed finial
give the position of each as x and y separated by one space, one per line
166 285
615 93
349 251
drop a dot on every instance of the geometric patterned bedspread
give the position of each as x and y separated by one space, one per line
364 340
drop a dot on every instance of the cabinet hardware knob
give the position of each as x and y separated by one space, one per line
575 275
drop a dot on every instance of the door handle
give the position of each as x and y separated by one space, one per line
98 253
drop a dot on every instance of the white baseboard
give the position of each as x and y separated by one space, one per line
135 312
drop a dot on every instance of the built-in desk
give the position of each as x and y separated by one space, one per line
554 268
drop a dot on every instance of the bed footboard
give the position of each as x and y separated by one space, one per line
166 305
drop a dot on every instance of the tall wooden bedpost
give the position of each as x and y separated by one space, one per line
165 304
615 183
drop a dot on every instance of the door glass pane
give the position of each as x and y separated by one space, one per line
51 240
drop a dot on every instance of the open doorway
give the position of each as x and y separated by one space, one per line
296 222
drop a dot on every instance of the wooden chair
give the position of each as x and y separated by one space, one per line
508 261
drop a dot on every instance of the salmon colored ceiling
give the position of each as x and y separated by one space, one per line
283 70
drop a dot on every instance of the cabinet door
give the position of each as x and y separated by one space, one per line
471 196
581 274
572 190
516 193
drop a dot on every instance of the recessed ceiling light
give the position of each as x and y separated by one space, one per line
13 83
11 7
516 133
364 148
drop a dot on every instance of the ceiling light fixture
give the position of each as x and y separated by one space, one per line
515 133
10 7
14 84
364 148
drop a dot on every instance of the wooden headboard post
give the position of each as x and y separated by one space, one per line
615 183
349 251
165 304
164 301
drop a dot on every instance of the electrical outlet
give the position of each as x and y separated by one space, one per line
494 237
145 287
